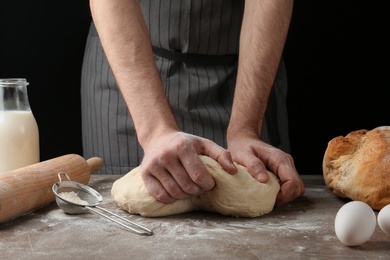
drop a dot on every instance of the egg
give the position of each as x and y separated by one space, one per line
384 219
355 223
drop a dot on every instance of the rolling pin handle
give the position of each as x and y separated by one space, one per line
95 164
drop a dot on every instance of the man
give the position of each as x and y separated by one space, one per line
196 77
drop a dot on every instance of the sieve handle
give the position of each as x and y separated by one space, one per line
141 231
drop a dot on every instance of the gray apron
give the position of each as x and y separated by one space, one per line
196 47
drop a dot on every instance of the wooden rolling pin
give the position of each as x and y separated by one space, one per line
26 189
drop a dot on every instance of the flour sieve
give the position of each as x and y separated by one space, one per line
76 198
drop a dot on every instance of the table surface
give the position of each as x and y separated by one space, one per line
302 229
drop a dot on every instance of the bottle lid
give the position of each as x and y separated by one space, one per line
9 82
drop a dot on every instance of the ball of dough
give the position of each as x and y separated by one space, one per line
238 195
357 166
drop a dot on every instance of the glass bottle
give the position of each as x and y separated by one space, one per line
19 135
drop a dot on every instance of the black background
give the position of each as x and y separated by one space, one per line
336 56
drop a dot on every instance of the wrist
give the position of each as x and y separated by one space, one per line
147 136
236 131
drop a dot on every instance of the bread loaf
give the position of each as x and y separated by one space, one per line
357 166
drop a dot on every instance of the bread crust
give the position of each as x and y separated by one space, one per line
357 166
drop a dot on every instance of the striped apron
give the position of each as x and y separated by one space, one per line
196 46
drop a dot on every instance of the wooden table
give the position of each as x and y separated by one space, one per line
303 229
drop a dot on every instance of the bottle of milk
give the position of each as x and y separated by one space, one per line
19 135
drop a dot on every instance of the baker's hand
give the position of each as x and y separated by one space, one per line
256 155
171 168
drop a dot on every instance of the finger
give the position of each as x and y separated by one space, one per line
156 189
255 167
221 155
164 186
291 187
184 181
288 192
197 171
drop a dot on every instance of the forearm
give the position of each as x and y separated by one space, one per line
263 34
126 43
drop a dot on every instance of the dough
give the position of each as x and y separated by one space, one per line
238 195
357 166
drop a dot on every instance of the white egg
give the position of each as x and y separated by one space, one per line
355 223
384 219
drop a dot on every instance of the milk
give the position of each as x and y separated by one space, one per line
19 140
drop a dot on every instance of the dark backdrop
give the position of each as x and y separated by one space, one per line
337 64
43 41
336 55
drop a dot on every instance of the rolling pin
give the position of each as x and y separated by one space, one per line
26 189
